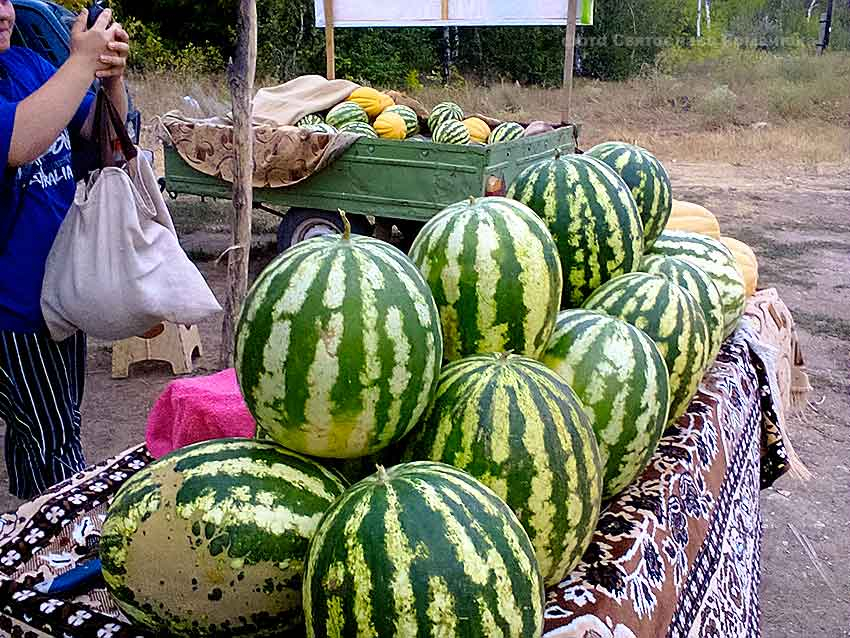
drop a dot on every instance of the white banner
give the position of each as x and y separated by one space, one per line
438 13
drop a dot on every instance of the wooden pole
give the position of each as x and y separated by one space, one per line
330 53
240 77
569 58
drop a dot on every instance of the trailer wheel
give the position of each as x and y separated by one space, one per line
299 224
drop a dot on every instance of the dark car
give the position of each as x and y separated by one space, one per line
44 27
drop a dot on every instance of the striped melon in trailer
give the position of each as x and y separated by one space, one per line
620 377
671 317
359 128
346 112
648 180
592 216
211 540
494 270
717 261
444 111
312 118
422 550
451 132
514 424
339 348
505 132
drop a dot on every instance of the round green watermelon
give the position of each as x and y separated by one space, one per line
648 180
211 540
592 216
451 132
345 113
494 270
716 261
621 379
693 279
422 550
359 128
671 317
506 132
339 348
442 112
516 426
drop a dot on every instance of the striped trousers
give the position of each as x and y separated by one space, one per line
41 388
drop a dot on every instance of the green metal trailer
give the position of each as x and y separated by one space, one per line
382 183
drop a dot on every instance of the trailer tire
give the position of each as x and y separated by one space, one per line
299 224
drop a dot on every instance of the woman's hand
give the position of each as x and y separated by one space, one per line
88 45
114 62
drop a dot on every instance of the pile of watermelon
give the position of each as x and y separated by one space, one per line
373 114
437 432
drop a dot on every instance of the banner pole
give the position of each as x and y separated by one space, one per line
330 54
569 59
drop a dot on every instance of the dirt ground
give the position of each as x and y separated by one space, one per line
798 221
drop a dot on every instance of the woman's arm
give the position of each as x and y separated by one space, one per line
41 117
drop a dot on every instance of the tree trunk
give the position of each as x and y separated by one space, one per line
240 77
699 18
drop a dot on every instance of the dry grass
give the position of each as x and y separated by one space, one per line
737 107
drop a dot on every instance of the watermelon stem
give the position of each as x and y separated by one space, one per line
346 225
472 199
383 477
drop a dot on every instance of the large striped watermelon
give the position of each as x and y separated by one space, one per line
648 180
621 379
211 540
516 426
693 279
422 550
718 263
451 132
339 346
671 317
346 112
359 128
592 216
505 132
495 274
443 112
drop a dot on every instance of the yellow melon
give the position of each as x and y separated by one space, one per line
478 129
370 100
693 218
746 261
391 126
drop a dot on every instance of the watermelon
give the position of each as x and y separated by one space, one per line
495 274
620 377
671 317
322 127
505 132
211 540
451 132
421 550
693 279
409 116
592 216
312 118
338 349
442 112
346 112
648 180
359 128
717 261
516 426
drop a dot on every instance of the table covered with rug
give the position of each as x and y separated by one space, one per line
675 554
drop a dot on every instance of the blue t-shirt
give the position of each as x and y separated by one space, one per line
42 205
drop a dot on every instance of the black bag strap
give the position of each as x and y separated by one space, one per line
111 132
15 184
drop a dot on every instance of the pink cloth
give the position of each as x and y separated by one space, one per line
198 409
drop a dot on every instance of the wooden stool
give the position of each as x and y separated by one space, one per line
169 342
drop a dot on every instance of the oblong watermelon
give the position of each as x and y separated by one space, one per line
516 426
359 128
620 377
339 348
693 279
451 132
494 270
592 216
671 317
717 261
345 113
211 540
422 550
648 180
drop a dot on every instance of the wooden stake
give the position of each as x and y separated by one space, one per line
240 77
330 54
569 58
444 9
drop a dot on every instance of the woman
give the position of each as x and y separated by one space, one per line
41 381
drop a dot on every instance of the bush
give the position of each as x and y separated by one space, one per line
719 107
